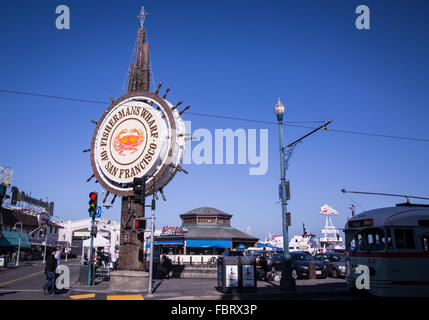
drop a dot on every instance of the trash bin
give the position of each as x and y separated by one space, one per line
228 269
83 276
248 275
236 274
3 260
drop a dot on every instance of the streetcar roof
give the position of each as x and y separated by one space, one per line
392 216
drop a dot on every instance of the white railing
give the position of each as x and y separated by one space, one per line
190 259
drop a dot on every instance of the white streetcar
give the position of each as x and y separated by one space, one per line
393 243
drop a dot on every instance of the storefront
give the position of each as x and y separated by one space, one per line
204 231
10 241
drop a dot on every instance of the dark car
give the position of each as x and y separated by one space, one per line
276 261
230 253
301 265
335 263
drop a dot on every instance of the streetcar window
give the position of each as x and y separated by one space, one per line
425 243
404 239
373 240
389 239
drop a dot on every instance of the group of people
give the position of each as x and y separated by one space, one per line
263 263
52 262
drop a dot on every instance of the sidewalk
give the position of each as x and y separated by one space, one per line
204 289
21 264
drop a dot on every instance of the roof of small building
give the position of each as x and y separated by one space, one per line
205 211
216 232
10 217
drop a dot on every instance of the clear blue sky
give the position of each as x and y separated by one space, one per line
232 58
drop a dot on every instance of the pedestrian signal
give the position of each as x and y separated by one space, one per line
139 224
139 189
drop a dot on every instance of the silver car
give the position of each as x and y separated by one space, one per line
335 263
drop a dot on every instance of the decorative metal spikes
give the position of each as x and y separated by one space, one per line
162 194
178 168
178 104
105 198
157 89
165 94
186 108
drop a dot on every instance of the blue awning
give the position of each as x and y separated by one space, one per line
11 239
164 242
263 245
241 246
208 243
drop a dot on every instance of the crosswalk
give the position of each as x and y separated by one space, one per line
109 297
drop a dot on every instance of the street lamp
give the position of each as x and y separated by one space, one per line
45 228
287 282
19 242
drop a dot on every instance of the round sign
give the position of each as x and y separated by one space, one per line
138 135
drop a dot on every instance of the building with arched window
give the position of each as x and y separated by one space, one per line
77 231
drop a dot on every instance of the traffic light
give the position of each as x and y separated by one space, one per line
15 195
140 224
139 189
2 190
94 230
93 203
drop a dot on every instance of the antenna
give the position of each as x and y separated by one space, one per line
386 194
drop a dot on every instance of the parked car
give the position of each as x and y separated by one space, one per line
230 253
301 265
335 263
276 260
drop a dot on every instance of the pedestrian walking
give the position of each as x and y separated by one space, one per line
166 266
264 266
58 256
50 267
13 258
114 258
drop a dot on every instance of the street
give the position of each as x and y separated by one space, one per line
25 283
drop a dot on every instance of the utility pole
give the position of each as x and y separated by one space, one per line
90 253
19 242
45 228
352 208
152 231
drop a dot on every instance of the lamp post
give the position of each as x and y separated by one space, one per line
287 282
45 227
19 242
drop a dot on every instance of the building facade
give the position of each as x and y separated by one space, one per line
77 231
32 236
204 231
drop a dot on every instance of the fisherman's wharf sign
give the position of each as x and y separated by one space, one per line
138 135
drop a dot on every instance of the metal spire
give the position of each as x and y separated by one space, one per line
142 16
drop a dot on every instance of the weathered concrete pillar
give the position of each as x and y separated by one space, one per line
131 251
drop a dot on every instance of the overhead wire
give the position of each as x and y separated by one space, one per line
297 124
